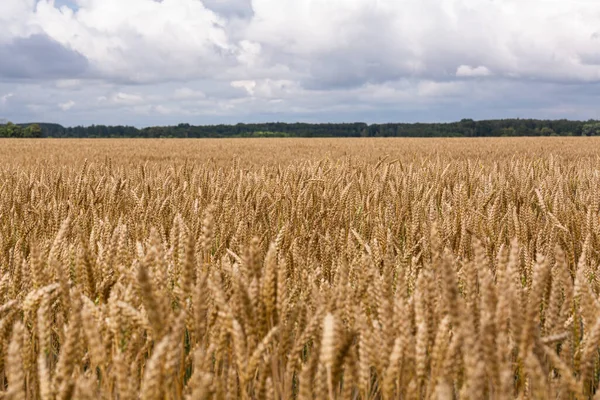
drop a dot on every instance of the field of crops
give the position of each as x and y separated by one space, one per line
300 269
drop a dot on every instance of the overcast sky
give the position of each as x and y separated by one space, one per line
152 62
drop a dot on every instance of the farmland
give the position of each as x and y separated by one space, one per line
300 268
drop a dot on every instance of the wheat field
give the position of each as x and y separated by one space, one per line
300 269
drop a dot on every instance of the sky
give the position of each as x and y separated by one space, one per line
153 62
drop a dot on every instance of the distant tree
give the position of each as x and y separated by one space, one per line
465 127
35 131
26 132
9 130
508 131
545 131
592 129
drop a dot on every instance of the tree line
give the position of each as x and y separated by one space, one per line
463 128
10 130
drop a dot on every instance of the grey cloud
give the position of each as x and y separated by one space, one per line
590 58
370 51
347 71
39 57
231 8
479 100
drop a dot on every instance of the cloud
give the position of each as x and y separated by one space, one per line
219 60
39 57
66 106
247 85
186 93
120 98
231 8
432 89
468 71
323 43
4 99
127 98
69 83
350 42
142 40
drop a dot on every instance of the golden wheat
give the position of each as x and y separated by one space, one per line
297 269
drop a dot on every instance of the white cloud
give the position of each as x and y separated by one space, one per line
247 85
67 106
432 38
249 53
268 88
468 71
4 98
126 98
186 93
140 40
15 16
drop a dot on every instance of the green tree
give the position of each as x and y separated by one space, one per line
547 131
26 133
36 131
508 131
591 129
9 129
